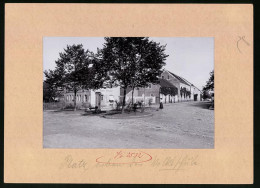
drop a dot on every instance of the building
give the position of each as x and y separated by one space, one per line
164 91
186 90
171 88
104 98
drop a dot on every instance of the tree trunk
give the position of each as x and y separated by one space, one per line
75 102
123 106
133 96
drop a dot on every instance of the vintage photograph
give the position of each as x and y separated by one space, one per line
128 92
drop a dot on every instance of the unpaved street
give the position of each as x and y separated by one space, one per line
178 125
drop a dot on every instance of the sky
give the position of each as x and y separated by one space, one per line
189 57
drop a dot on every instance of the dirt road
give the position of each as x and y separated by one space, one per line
178 125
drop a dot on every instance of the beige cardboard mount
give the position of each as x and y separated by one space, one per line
25 160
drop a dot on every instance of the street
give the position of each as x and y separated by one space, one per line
177 125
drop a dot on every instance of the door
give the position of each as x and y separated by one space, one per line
195 97
98 99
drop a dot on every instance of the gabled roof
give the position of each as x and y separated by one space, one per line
167 88
182 80
165 83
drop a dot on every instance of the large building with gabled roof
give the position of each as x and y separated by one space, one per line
170 89
186 90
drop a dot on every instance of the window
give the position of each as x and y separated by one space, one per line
102 97
86 98
111 98
162 77
168 77
150 86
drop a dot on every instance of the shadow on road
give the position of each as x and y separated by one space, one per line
203 105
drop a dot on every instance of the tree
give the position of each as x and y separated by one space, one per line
210 83
50 91
132 61
209 86
72 70
205 94
51 86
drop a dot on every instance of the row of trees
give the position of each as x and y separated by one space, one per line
123 61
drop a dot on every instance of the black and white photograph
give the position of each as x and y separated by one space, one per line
128 92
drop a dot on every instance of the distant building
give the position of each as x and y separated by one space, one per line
183 85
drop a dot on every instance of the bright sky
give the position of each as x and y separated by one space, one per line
189 57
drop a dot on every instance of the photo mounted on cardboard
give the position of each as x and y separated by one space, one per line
128 92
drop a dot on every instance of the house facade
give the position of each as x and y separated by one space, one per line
170 89
164 91
186 90
103 98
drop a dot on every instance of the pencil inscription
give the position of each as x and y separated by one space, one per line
241 39
70 163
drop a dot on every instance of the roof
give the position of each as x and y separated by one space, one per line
165 83
182 80
167 88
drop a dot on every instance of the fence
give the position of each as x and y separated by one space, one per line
53 105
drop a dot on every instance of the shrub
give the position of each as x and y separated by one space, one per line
69 106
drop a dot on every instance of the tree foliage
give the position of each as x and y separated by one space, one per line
72 70
169 91
209 86
50 93
51 87
132 61
210 83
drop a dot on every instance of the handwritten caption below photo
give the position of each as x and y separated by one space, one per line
132 159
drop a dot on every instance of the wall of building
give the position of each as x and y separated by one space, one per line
87 99
177 83
168 98
198 93
150 92
174 81
82 99
109 96
188 88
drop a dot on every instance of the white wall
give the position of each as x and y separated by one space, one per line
92 98
115 92
188 88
